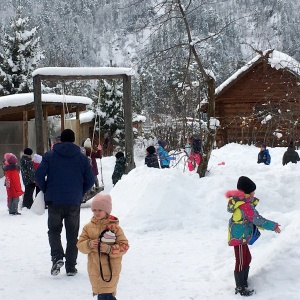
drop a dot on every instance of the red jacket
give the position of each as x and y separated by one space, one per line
12 183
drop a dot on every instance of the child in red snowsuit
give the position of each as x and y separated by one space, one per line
12 183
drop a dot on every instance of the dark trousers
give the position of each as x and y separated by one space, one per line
242 257
28 195
106 297
71 216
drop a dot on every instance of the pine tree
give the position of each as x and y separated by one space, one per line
110 109
19 56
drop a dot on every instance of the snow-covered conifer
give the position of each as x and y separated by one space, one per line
19 56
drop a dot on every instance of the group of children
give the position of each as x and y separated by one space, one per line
290 155
12 179
162 158
103 240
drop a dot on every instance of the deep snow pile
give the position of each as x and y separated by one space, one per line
176 224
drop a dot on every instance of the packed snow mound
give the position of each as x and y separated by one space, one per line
155 201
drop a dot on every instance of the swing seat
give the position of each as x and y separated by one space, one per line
92 193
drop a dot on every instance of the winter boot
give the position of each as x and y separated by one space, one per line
57 264
240 284
246 272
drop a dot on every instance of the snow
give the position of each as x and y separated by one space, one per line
27 98
84 71
176 225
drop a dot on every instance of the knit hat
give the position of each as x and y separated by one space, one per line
150 150
28 151
162 143
102 202
67 135
291 144
10 158
246 185
37 158
263 146
87 143
119 154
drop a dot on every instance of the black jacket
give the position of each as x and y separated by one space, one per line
151 161
290 155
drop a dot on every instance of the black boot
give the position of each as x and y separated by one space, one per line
240 284
246 270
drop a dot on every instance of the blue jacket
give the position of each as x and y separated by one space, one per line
164 156
264 157
65 174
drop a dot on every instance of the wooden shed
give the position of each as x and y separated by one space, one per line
260 103
17 124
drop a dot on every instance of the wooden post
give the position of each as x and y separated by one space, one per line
128 124
25 129
62 119
38 115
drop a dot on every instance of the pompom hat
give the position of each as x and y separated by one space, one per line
246 185
102 202
87 143
37 158
10 158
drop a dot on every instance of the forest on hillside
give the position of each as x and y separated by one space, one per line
150 37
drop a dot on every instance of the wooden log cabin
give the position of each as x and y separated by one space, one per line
260 103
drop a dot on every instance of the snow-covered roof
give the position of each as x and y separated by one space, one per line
88 116
84 71
277 60
23 99
139 118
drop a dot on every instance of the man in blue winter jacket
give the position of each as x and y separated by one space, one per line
64 175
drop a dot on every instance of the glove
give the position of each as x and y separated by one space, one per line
99 147
172 157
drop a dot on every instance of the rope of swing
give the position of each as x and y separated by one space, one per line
95 123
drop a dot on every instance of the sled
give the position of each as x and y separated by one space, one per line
91 193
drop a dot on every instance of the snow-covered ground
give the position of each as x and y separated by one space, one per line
176 225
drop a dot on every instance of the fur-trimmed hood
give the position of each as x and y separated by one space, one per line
235 193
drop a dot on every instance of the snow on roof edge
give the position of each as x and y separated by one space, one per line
27 98
83 71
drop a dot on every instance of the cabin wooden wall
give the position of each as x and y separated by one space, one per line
262 91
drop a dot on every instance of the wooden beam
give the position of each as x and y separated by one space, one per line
62 119
128 123
38 115
25 129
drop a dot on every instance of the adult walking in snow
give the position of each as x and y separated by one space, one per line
27 171
290 155
264 155
64 175
242 229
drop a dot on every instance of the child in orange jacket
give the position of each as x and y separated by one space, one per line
103 240
12 183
